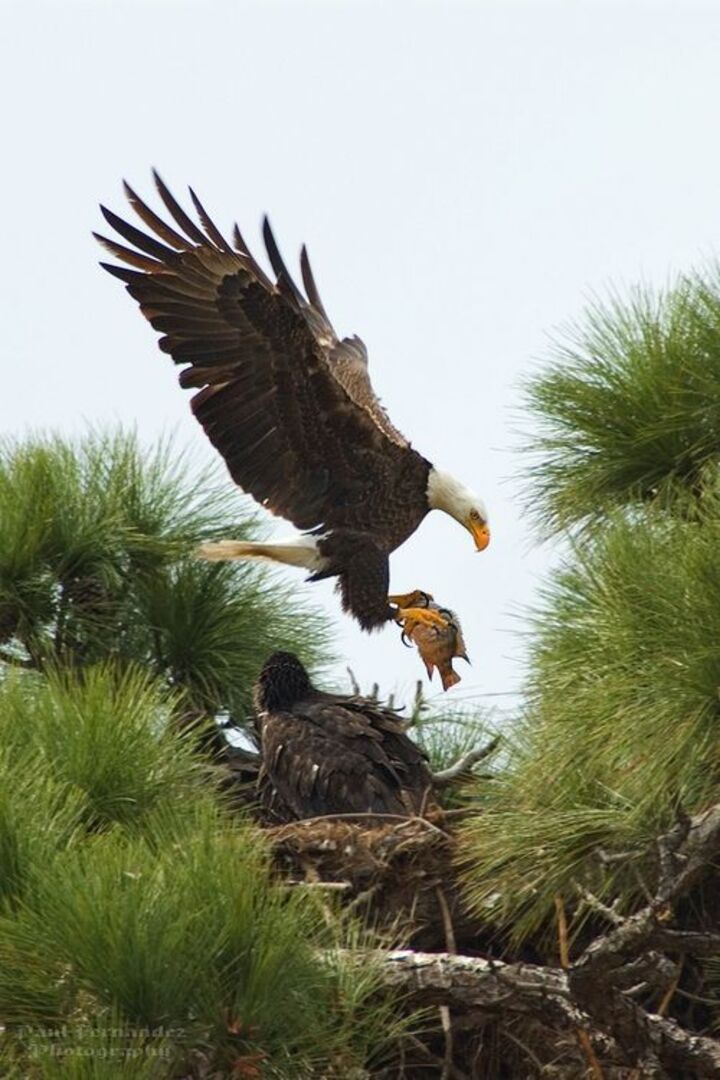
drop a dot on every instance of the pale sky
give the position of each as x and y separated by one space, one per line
465 176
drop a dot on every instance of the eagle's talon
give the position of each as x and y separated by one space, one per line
412 616
418 598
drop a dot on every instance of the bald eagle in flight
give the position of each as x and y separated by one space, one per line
288 404
333 754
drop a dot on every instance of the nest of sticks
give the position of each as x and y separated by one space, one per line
396 872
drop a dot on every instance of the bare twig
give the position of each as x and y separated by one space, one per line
595 904
419 702
607 858
463 765
669 993
331 886
563 947
366 815
354 684
450 940
693 942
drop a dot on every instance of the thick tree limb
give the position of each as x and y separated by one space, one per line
620 1032
484 989
471 981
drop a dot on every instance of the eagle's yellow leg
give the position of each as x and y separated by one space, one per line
416 598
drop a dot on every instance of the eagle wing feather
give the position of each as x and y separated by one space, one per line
335 755
288 405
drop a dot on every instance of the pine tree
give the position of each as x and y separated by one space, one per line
142 930
618 742
97 539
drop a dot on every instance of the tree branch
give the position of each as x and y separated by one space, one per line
498 990
685 852
463 765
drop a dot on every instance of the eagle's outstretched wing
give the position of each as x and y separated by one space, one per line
288 405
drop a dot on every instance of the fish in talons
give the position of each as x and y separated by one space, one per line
438 640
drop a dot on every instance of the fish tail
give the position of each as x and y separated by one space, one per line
449 677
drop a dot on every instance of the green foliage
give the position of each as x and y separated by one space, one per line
622 712
38 817
629 411
211 626
133 903
447 732
107 735
96 562
141 933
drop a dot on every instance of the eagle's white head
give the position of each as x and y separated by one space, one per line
445 492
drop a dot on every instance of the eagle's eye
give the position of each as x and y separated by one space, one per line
474 516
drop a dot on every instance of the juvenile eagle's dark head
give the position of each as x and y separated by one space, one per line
282 681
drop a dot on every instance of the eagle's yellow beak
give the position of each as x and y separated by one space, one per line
480 534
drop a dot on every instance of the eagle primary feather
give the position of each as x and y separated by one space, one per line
288 404
333 754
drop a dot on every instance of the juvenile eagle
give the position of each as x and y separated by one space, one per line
288 404
333 754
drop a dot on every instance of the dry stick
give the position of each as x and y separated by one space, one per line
354 684
363 897
450 939
543 993
330 886
451 946
464 763
564 950
454 1074
670 992
687 851
508 1034
425 799
563 946
697 997
362 816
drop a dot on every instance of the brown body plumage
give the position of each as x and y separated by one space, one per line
287 403
331 753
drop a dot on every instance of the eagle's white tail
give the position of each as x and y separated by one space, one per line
295 551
